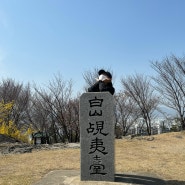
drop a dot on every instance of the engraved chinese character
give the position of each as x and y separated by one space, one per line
95 113
97 145
99 128
96 102
97 167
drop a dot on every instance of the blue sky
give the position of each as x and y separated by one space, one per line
40 38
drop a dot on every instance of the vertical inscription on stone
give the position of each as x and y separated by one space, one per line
97 136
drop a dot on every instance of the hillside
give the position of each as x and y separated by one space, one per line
161 155
7 139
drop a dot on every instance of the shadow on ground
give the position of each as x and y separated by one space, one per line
144 180
175 182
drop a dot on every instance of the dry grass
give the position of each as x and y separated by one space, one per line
164 156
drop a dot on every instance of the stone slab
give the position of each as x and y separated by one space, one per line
97 136
72 177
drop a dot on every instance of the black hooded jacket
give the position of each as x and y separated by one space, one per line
101 86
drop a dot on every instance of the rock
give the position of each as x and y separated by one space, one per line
14 149
22 150
10 145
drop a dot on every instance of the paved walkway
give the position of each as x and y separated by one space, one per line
72 177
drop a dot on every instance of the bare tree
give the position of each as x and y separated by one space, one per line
90 77
20 95
140 90
72 115
127 111
170 82
60 109
38 113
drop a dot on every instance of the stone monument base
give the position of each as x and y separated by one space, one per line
72 177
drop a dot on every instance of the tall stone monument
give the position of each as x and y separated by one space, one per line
97 136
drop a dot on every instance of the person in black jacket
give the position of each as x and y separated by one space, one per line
104 83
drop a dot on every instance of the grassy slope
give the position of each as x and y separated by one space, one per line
164 156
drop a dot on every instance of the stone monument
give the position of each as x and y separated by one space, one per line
97 136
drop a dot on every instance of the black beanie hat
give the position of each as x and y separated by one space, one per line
101 71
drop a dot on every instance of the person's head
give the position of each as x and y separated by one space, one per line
104 75
101 71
